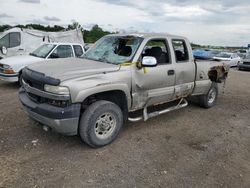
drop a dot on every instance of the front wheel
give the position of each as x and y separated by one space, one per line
209 100
100 123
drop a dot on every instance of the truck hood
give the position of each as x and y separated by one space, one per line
70 68
20 61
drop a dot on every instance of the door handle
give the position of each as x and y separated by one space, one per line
171 72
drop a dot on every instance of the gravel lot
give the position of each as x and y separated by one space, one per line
192 147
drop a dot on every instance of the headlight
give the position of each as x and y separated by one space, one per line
6 66
7 69
60 90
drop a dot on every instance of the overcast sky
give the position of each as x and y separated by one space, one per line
214 22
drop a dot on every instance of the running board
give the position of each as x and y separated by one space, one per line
183 103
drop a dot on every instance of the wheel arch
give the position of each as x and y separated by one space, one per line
117 96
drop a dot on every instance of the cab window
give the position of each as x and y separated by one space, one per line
181 51
78 50
157 48
62 51
11 40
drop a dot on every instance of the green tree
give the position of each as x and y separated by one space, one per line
94 34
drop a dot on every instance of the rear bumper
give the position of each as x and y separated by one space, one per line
244 66
9 77
61 120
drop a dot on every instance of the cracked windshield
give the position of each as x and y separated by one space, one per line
114 50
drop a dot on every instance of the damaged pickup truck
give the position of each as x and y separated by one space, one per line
95 95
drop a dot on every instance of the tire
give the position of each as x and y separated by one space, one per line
100 123
209 100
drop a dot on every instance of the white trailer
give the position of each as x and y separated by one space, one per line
17 41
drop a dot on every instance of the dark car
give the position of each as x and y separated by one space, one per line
245 63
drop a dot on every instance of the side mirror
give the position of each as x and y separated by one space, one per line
4 50
149 61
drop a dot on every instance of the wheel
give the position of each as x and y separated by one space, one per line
100 123
209 100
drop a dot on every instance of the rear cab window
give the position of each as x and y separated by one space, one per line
181 51
78 50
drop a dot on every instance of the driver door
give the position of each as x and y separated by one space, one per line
156 85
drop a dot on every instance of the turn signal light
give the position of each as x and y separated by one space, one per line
8 71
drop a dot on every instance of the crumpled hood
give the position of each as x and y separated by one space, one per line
16 62
70 68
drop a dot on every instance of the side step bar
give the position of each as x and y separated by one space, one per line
183 103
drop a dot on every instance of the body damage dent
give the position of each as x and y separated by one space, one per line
218 73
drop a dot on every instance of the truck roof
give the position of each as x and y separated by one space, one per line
148 35
63 43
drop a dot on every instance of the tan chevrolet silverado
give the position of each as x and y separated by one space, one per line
119 76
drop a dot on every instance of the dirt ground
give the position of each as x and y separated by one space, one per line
192 147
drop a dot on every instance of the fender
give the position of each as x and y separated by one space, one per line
82 95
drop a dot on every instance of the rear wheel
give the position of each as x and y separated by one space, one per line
209 100
101 123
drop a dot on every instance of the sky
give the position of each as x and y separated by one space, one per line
210 22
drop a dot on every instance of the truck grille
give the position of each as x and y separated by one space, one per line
37 79
34 98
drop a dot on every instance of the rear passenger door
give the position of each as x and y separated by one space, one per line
158 82
184 68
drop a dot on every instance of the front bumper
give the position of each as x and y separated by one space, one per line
61 120
244 66
9 77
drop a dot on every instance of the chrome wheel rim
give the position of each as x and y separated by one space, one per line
105 126
211 96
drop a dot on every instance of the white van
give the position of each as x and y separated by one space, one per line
17 41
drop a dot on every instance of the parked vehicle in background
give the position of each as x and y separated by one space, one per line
245 63
11 67
242 56
17 41
205 54
231 59
93 96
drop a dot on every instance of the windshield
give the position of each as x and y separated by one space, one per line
114 49
43 51
224 55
